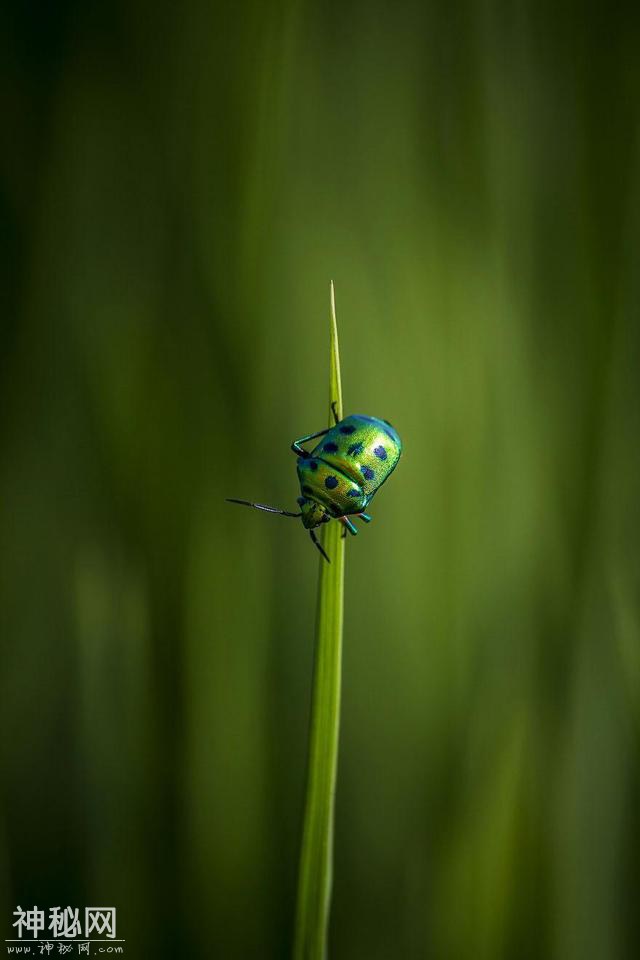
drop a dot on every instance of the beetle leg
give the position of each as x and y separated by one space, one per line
296 445
263 506
365 517
351 527
318 545
343 535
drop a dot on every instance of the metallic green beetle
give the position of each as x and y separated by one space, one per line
342 473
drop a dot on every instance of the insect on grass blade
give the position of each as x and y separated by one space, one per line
316 858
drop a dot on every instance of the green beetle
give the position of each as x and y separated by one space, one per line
342 473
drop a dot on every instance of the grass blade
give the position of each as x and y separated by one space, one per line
314 882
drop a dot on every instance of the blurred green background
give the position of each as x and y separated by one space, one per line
179 183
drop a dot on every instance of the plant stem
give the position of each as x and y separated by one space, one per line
316 858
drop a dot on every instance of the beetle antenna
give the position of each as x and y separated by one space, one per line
262 506
318 545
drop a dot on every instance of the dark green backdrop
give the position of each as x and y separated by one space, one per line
179 183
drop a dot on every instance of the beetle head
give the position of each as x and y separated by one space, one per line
313 513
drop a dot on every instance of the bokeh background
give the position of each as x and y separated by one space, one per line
179 183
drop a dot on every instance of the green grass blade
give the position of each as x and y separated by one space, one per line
314 883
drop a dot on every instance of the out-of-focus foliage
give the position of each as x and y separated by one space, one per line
178 184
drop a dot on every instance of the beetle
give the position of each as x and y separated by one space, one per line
342 473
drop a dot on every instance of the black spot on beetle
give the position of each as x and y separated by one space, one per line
347 430
331 483
330 447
